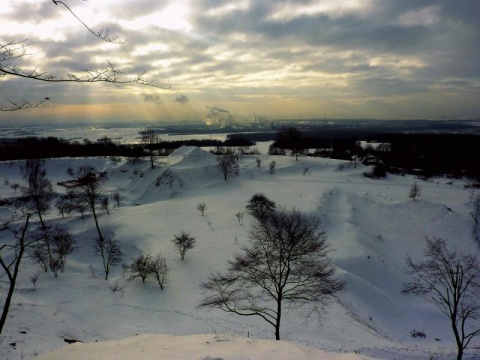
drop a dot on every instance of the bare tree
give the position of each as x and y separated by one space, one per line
139 268
12 51
202 207
15 186
105 205
183 243
451 282
117 198
286 262
159 269
11 263
475 215
414 191
149 140
228 165
52 249
271 167
239 216
39 188
89 191
109 251
260 206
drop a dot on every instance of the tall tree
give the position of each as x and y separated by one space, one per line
109 251
39 188
90 191
149 140
451 282
290 138
228 165
285 262
11 263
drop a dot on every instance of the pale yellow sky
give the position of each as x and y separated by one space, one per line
279 59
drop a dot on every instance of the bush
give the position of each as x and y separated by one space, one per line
139 268
419 334
52 250
260 206
145 265
183 243
378 171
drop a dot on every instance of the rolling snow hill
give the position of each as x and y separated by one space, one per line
371 224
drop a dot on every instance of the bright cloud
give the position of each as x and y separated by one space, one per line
362 52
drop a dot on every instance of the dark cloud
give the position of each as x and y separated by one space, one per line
181 99
249 48
151 98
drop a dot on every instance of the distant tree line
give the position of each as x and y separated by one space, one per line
422 154
431 154
52 147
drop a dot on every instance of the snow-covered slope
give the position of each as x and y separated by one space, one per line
371 224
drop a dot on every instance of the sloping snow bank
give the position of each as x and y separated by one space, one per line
202 347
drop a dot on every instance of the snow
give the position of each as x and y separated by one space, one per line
371 224
205 347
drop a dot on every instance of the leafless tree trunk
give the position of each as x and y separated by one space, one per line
12 267
39 188
90 192
109 251
149 139
451 282
286 262
159 269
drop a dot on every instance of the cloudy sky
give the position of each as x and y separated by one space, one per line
273 58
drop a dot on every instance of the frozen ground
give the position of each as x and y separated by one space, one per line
372 225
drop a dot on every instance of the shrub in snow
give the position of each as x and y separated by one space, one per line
159 269
145 265
414 191
52 250
183 243
139 268
109 251
202 207
271 167
376 172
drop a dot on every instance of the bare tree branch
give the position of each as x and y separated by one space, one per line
451 282
109 73
286 262
103 34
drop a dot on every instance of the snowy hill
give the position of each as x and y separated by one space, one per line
371 224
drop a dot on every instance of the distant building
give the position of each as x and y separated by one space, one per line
371 160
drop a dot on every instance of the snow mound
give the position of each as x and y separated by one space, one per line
202 347
193 154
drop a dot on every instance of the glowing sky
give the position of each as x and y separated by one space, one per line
274 58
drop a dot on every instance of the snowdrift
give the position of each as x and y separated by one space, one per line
202 347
